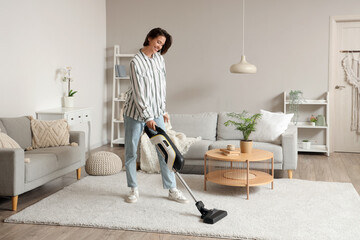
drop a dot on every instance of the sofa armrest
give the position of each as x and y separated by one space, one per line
289 145
12 171
79 138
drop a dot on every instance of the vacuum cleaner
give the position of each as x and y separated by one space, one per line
175 162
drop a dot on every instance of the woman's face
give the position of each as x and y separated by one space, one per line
157 43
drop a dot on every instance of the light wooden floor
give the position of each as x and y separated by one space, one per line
339 167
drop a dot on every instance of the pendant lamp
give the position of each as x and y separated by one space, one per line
243 66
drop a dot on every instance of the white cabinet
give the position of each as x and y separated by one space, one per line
75 116
318 135
118 97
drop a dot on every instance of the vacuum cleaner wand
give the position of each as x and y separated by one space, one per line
175 162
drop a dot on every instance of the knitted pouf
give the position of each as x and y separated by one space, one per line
103 163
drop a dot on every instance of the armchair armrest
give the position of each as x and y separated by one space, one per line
11 171
289 145
79 138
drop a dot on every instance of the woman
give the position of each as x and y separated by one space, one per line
145 104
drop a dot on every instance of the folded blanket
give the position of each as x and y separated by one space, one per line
149 161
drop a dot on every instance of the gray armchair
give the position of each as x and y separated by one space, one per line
46 164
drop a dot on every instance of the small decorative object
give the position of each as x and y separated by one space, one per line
306 144
295 98
69 96
313 120
121 115
320 120
230 147
246 126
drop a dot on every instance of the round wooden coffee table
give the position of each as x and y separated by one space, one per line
240 177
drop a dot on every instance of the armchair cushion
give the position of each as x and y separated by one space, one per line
49 133
7 142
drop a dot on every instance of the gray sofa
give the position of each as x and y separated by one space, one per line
210 126
46 164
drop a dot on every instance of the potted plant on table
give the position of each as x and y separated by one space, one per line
69 96
246 126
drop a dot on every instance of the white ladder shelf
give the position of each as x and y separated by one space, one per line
117 121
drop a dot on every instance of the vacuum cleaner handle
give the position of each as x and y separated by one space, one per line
173 158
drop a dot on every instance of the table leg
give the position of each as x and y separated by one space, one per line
272 172
205 172
247 179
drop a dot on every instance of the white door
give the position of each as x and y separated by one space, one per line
348 38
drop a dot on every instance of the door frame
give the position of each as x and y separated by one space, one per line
333 51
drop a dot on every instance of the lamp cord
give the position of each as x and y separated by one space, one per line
243 28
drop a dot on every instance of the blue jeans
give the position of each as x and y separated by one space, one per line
133 131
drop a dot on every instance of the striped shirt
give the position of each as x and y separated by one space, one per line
146 97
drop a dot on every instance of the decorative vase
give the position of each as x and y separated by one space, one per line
69 102
312 124
246 146
320 120
306 145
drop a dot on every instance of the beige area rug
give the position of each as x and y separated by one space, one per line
295 209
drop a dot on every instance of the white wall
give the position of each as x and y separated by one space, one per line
40 36
286 39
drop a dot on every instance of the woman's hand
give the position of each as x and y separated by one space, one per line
151 124
166 117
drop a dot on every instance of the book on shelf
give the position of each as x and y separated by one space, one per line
120 70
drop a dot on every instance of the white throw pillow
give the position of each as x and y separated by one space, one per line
270 127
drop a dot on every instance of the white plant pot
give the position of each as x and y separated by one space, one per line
312 124
69 102
306 145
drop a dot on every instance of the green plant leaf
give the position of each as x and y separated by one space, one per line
72 93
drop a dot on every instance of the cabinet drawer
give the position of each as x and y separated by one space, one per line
86 116
73 118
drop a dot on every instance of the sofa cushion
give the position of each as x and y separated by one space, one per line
198 150
195 125
274 148
271 126
227 133
41 164
65 155
19 130
49 133
2 128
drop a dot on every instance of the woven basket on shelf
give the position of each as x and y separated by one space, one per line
103 163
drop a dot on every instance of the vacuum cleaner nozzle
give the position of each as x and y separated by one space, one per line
210 216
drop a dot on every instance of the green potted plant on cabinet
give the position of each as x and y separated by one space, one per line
246 125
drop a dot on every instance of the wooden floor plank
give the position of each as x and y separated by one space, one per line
321 168
339 167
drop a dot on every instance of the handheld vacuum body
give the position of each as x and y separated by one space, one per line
175 162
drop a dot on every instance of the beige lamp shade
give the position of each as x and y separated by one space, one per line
243 67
